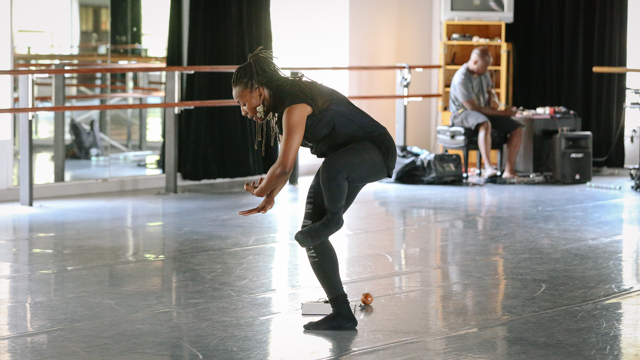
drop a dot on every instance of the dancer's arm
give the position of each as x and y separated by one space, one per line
293 125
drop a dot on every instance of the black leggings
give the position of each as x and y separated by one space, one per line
337 183
334 188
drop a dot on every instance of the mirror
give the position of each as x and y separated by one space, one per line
86 33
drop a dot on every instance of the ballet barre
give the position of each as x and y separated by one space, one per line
613 69
172 105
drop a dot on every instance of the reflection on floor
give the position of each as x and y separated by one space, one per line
457 272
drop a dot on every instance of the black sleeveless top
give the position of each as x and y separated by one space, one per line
335 123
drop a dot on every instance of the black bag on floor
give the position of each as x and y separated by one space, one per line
444 169
418 166
86 143
635 178
410 165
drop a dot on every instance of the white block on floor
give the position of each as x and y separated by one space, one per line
323 307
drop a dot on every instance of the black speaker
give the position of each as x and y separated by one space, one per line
572 157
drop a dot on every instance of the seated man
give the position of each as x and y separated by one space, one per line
470 102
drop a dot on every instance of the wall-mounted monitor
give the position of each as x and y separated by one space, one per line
483 10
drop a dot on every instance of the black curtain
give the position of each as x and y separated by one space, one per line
556 44
174 42
126 24
217 142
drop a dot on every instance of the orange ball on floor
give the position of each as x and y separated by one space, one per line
366 298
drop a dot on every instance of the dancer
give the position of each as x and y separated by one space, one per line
357 150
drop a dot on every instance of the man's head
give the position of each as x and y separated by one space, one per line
480 60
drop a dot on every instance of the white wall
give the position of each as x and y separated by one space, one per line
632 119
298 41
6 96
387 32
302 37
633 50
48 25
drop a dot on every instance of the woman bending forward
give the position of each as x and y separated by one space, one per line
357 150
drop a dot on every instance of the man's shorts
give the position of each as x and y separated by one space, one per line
471 119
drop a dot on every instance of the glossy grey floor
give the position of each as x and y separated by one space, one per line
457 272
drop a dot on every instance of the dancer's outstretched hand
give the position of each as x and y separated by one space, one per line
266 205
251 187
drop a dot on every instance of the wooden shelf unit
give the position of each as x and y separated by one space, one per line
454 53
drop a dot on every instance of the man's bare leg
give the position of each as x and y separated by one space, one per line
513 146
484 144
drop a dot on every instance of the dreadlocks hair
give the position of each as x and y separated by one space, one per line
258 71
261 71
